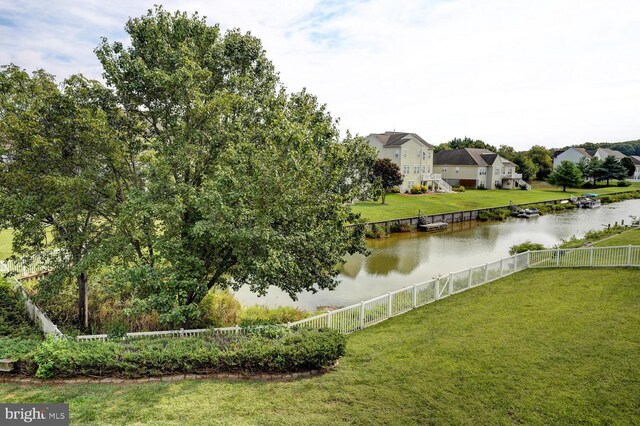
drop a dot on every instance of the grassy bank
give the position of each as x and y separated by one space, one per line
401 205
540 347
629 237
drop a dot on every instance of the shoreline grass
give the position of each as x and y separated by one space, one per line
402 206
556 346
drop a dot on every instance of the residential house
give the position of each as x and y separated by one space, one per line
413 155
576 154
477 168
636 162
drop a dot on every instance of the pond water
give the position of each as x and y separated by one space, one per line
409 258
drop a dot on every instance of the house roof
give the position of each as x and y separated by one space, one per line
635 159
616 154
393 139
465 157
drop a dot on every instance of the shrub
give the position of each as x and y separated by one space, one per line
395 190
623 183
417 189
219 308
400 227
460 188
262 315
14 321
293 350
588 185
376 231
524 247
481 187
497 214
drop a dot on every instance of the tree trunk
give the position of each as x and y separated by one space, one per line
83 301
384 194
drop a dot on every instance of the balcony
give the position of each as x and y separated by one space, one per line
431 176
512 176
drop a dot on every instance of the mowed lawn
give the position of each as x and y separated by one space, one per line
402 205
631 237
556 346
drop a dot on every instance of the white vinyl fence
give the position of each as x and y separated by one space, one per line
369 312
35 314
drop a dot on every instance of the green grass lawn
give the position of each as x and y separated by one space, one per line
400 205
629 237
556 346
5 244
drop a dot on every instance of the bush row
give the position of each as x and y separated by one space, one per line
284 351
498 214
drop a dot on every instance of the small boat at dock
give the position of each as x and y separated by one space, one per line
527 213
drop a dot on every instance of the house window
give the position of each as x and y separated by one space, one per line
429 154
457 169
418 154
416 169
424 155
410 184
405 170
424 169
397 153
444 169
404 153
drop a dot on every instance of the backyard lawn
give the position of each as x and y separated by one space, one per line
401 205
629 237
557 346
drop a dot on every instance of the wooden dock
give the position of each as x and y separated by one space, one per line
433 227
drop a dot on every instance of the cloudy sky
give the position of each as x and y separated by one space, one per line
515 72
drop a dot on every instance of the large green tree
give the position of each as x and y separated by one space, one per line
57 148
541 157
526 167
243 183
387 175
466 142
612 168
566 174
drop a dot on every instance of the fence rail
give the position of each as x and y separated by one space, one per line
369 312
39 318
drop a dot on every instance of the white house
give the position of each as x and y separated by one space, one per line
576 154
412 154
475 168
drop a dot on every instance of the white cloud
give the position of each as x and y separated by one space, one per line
508 72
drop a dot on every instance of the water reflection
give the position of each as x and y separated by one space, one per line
408 258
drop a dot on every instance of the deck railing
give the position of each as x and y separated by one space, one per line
369 312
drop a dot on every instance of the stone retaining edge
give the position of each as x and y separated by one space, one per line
169 378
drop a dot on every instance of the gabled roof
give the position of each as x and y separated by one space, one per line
616 154
635 159
465 157
394 139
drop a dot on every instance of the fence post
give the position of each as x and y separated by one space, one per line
450 283
437 287
329 319
629 255
590 256
501 264
469 282
389 296
486 272
415 296
558 257
528 259
361 315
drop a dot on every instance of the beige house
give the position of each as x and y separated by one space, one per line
414 157
636 162
477 168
